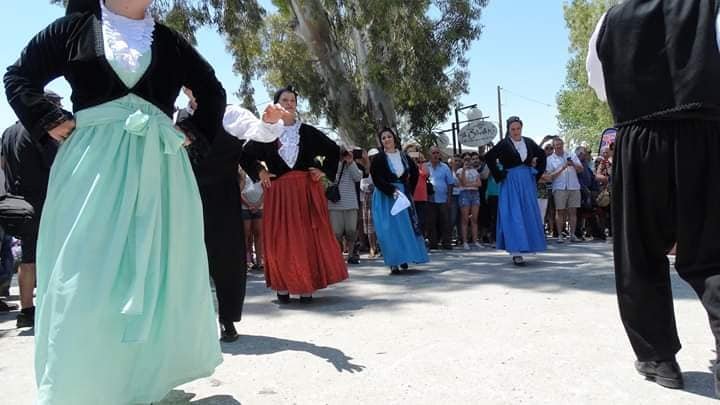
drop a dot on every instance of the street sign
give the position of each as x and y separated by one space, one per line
478 133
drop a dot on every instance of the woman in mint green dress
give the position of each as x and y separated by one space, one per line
124 310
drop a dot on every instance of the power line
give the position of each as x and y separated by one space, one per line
526 98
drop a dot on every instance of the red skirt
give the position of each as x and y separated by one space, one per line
301 252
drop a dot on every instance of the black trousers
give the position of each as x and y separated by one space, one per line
225 244
437 224
663 193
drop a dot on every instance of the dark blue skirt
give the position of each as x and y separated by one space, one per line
395 233
519 226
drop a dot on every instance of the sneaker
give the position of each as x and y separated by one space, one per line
466 246
560 239
479 245
394 270
575 239
25 320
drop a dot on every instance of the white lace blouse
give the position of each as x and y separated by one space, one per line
126 39
290 144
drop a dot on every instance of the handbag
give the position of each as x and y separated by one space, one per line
332 192
603 199
15 214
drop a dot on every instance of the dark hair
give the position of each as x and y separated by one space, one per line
511 121
287 89
82 6
395 136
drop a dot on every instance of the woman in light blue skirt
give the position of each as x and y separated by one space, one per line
395 174
124 310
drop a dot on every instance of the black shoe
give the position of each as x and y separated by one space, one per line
306 300
404 266
394 270
283 298
228 333
5 289
447 247
518 261
5 307
433 247
26 319
353 260
666 373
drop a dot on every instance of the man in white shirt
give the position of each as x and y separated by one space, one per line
563 169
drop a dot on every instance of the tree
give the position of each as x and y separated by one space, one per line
358 64
582 116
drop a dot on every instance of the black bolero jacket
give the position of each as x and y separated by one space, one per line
313 143
383 177
73 47
509 157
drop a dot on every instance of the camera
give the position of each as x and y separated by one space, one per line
357 153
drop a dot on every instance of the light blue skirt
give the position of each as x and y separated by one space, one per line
519 226
398 240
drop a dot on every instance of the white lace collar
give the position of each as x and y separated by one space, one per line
290 141
126 39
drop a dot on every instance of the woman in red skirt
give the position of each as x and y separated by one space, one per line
300 249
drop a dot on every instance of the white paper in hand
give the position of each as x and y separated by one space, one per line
401 203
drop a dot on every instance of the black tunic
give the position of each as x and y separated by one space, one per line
217 176
660 60
312 144
73 47
506 153
383 177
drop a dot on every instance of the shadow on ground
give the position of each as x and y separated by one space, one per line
217 400
252 345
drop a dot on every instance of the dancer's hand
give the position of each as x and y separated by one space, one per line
61 132
265 177
273 113
187 140
316 174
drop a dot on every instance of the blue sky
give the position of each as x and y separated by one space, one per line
523 49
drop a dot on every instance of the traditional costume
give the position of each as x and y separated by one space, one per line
299 246
399 235
520 228
124 311
216 172
657 63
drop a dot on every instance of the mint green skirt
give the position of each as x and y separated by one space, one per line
124 311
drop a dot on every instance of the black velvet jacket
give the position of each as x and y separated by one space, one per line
509 157
73 47
313 143
383 177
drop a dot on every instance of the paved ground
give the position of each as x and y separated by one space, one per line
465 328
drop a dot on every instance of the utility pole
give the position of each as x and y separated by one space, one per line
500 120
453 140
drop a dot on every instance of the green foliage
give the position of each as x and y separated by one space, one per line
382 62
582 116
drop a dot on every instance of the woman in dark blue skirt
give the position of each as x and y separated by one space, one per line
395 175
522 162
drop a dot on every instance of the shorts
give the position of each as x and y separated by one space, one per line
29 241
469 198
248 215
566 199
